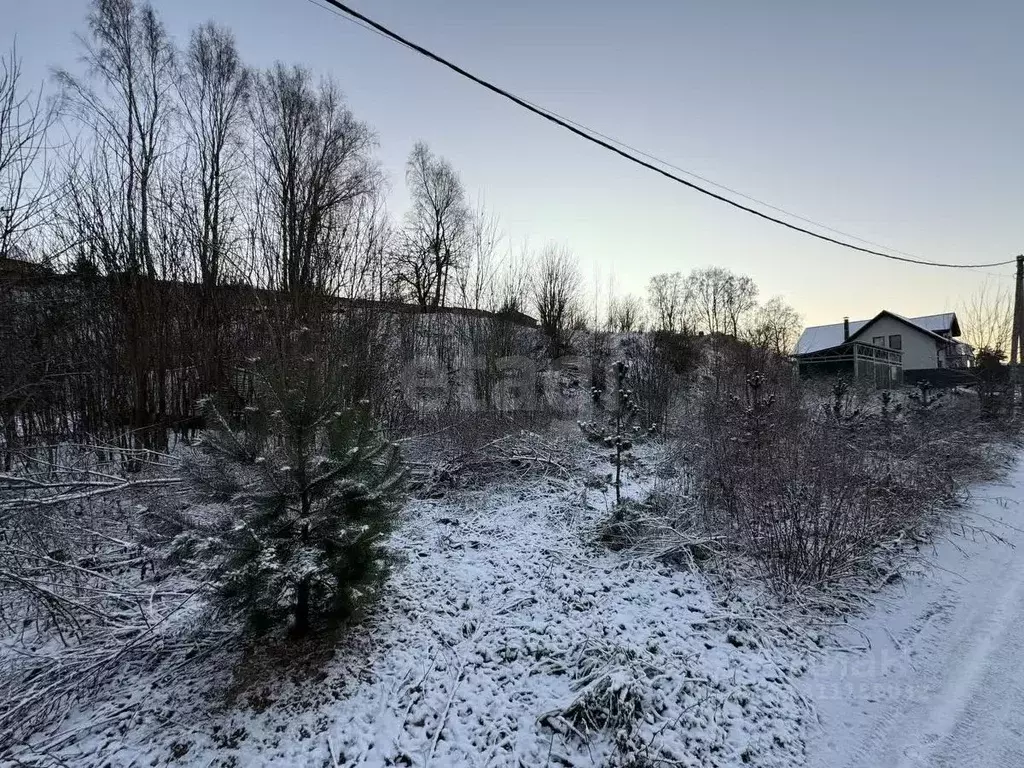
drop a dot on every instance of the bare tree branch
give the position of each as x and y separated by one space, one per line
986 317
556 296
438 228
128 120
214 90
25 169
313 166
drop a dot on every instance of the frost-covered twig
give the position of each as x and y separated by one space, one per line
97 489
510 458
444 715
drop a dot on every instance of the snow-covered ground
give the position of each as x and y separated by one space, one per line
942 682
508 637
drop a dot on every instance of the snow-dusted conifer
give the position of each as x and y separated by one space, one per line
308 492
625 414
621 430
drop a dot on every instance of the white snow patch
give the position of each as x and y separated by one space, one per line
933 674
507 638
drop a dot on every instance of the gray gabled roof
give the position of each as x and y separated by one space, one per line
943 323
819 337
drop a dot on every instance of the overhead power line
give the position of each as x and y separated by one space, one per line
610 145
654 158
667 164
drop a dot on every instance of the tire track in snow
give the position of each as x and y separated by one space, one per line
975 690
952 694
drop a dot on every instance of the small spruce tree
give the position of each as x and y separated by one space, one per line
308 490
622 416
625 413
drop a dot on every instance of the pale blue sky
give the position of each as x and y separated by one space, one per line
900 122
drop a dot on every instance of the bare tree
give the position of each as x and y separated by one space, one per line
625 314
90 220
666 293
721 299
775 326
556 296
437 231
511 291
477 281
364 247
313 165
214 89
740 299
986 318
611 314
25 178
128 116
705 291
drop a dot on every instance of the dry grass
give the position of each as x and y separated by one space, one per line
666 527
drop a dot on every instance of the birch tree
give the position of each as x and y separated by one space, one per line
214 90
438 228
666 294
25 171
126 108
313 165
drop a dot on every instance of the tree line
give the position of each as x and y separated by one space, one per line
204 206
187 164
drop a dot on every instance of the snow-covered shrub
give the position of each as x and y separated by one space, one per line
994 392
926 398
666 526
624 525
304 489
786 481
814 487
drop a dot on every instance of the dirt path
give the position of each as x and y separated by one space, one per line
942 684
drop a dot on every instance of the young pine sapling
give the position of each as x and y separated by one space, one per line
307 490
622 429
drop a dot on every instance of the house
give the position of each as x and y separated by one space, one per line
887 350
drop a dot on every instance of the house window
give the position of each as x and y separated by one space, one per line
878 341
896 341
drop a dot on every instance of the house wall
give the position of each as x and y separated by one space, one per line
919 349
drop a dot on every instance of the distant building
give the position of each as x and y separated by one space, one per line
14 263
887 350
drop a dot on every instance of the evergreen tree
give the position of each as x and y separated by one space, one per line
621 429
308 491
624 414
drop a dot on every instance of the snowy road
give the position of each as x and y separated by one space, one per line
942 685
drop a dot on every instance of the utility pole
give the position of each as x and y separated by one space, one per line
1018 298
1018 330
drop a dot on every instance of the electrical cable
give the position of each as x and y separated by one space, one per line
606 143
